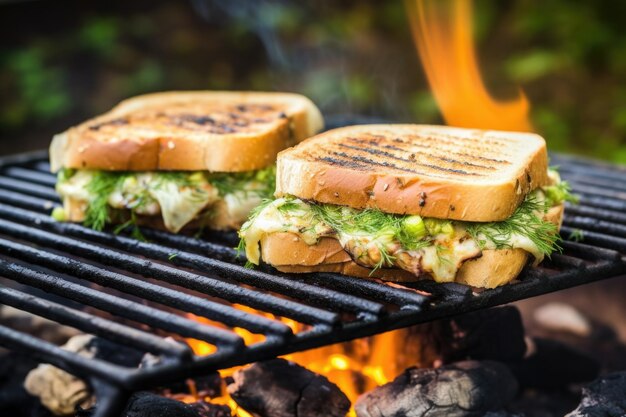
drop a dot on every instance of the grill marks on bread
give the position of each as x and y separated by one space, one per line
438 156
431 171
215 119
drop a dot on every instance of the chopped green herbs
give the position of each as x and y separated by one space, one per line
527 222
382 232
133 226
100 187
239 182
136 189
577 235
559 193
58 214
371 222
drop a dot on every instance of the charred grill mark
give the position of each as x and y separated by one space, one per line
385 164
456 161
364 163
484 158
395 148
372 142
114 122
418 145
199 120
236 119
342 162
379 152
476 144
243 108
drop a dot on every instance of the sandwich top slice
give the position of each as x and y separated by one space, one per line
178 158
403 202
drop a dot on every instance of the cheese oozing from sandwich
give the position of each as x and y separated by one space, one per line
222 200
437 247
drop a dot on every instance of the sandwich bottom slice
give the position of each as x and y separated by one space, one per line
165 199
302 236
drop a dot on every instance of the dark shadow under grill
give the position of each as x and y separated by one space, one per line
144 280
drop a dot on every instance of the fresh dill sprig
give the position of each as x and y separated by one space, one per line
525 222
577 235
235 182
386 259
101 185
133 226
381 227
369 222
180 178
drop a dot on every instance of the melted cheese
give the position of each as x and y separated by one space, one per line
441 259
272 219
178 204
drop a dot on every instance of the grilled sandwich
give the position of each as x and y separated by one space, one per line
404 202
178 159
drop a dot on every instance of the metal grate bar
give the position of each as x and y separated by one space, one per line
26 201
608 228
29 175
141 288
226 270
49 353
589 212
131 310
34 189
201 283
596 238
585 251
89 324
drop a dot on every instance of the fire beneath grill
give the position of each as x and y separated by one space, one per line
355 367
474 364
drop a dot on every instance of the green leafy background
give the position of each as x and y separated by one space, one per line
63 61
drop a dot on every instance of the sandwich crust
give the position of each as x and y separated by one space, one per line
432 171
199 130
288 253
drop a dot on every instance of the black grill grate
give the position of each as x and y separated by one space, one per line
74 264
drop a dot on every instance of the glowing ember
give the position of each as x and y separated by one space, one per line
355 367
442 30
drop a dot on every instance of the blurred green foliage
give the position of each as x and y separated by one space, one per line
351 57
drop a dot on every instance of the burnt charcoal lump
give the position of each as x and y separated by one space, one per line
605 397
494 334
554 365
278 388
14 400
147 404
462 389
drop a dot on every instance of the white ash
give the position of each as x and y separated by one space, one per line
45 329
561 317
60 391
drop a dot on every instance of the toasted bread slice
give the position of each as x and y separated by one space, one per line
433 171
288 253
204 130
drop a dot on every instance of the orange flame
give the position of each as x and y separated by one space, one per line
442 31
355 367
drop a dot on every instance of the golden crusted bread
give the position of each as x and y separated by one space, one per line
288 253
199 130
433 171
